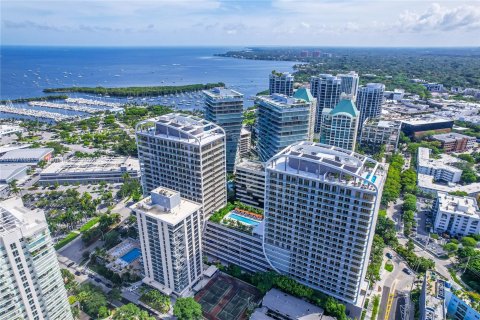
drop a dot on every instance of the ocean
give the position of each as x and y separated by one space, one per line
26 71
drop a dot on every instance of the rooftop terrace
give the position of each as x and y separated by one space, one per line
167 206
175 126
461 205
223 93
330 164
434 296
282 101
444 162
91 165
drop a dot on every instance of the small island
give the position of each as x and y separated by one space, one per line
136 91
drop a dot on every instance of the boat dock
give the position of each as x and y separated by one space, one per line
64 106
109 105
40 115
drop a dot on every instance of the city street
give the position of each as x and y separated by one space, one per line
396 283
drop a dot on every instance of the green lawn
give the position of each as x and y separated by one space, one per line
89 224
376 303
69 238
389 266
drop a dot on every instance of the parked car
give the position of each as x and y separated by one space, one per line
389 255
407 271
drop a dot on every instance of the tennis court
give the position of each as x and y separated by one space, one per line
227 298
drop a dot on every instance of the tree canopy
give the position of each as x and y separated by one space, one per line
187 309
131 312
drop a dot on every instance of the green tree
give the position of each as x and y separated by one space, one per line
467 158
12 185
409 203
115 294
103 312
131 312
450 247
156 300
410 245
334 308
68 279
469 242
111 239
91 299
409 181
187 309
386 229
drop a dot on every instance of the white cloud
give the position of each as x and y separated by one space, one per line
241 22
440 18
305 25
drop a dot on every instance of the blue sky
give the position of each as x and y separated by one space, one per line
242 23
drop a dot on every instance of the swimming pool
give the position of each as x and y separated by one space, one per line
131 255
370 175
243 219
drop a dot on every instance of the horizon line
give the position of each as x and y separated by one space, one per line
238 46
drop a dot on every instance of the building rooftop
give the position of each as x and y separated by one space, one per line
451 137
345 106
8 129
444 162
27 155
223 94
373 86
290 306
167 206
303 93
434 296
382 123
424 120
283 102
425 181
244 131
91 165
14 216
175 126
250 165
281 74
328 76
459 205
330 164
350 74
7 170
7 148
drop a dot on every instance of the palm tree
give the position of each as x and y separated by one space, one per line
14 187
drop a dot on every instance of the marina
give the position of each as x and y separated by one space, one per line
30 114
111 105
46 104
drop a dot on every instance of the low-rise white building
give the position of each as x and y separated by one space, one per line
12 171
7 130
170 236
456 215
427 184
30 156
440 169
438 301
90 170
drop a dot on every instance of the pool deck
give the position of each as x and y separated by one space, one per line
254 222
